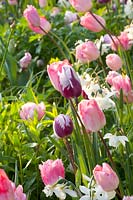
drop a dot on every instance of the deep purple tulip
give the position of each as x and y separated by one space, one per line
63 126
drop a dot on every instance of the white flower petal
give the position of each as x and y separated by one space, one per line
84 190
72 193
85 197
111 194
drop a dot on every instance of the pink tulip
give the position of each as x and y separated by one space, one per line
87 52
25 61
122 41
63 126
113 61
6 190
18 192
52 171
128 98
36 23
91 115
122 82
29 110
90 23
44 28
111 75
64 79
31 15
42 3
106 177
81 6
127 198
13 2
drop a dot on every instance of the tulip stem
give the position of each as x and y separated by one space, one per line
107 31
119 196
107 150
70 152
56 44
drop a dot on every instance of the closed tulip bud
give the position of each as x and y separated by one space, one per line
64 79
87 52
30 109
42 3
18 192
122 82
25 61
6 189
113 61
90 23
51 171
31 15
13 2
106 177
91 115
63 126
111 75
81 6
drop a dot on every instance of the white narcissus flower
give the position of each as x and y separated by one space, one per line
60 190
129 31
115 140
102 46
128 9
64 3
94 191
93 91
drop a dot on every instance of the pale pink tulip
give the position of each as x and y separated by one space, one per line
44 28
13 2
81 6
25 61
19 195
113 61
90 23
122 41
111 75
32 16
42 3
128 98
55 11
64 79
127 198
122 82
51 171
87 52
6 189
30 109
106 177
91 115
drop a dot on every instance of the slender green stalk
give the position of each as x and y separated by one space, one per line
6 49
54 41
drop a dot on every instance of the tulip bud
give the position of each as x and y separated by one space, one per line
81 6
87 52
29 110
111 75
91 115
42 3
63 126
113 61
90 23
25 61
106 177
51 171
31 15
64 79
13 2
